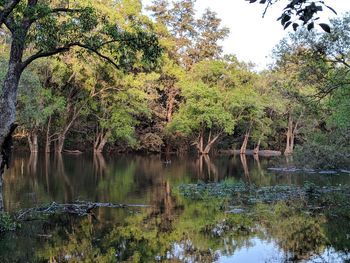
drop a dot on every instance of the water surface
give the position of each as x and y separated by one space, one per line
172 227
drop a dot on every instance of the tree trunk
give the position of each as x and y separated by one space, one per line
205 149
211 142
245 142
48 140
256 149
33 142
8 103
8 112
60 142
62 135
290 137
100 142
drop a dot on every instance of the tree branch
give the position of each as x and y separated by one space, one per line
42 54
7 9
65 10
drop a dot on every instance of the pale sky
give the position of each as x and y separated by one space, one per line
251 36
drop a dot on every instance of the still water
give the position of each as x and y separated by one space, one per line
170 228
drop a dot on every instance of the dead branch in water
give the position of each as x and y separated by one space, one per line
77 208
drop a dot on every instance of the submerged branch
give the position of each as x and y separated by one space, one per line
78 208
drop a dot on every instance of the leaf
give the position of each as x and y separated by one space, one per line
325 27
287 24
262 1
310 26
285 19
295 26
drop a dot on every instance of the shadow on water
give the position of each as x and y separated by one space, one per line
173 227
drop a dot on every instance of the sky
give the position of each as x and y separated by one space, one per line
252 37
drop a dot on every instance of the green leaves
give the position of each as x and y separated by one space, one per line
215 93
325 27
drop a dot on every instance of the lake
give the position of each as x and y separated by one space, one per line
157 223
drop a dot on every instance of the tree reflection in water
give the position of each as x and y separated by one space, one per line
193 232
174 228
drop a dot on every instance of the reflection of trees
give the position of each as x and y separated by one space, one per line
173 224
245 166
100 167
300 237
20 184
33 163
78 246
197 233
61 172
211 172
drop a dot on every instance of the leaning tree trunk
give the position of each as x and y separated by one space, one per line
60 143
211 142
62 136
245 142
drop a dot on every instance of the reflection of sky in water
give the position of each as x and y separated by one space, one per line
259 251
268 251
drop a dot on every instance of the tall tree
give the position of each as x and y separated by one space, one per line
42 29
216 97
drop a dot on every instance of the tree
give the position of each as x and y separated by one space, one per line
312 66
35 105
119 100
186 40
212 101
41 29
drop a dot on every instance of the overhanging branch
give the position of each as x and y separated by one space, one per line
65 48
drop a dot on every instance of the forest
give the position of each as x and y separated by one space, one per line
127 134
171 88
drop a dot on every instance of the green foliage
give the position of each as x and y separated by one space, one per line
217 94
7 223
35 103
